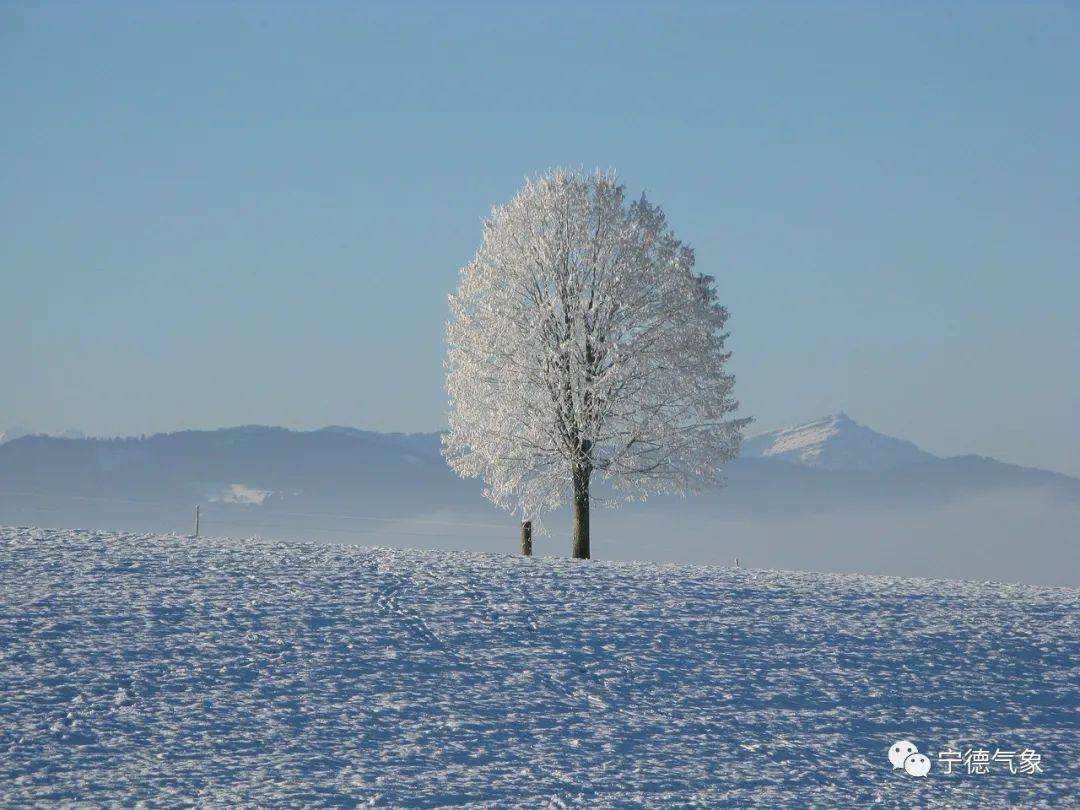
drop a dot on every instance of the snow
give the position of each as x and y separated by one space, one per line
229 673
239 494
806 441
835 442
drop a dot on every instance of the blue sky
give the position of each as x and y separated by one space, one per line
253 213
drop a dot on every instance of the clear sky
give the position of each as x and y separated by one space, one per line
253 213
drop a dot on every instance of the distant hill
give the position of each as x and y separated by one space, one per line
17 431
835 443
826 495
334 468
12 433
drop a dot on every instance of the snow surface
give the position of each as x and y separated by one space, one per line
229 673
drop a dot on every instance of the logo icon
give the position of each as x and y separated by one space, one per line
917 764
904 756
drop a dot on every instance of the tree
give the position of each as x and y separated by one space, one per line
582 342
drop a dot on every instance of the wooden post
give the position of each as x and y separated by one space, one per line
196 520
526 538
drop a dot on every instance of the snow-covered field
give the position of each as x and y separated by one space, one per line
225 673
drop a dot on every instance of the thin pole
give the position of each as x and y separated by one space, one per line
196 520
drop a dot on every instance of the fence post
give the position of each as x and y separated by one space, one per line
196 520
526 538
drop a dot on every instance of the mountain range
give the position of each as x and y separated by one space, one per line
829 494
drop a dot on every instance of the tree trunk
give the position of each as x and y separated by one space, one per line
526 538
581 512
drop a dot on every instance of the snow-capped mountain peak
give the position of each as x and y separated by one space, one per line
834 442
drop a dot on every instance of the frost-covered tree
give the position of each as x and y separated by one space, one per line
582 342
